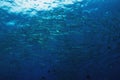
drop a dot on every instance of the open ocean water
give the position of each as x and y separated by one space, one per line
59 39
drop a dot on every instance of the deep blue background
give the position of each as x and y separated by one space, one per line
87 46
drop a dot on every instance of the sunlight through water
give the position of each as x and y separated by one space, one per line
32 6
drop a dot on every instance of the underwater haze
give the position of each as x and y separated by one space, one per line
59 40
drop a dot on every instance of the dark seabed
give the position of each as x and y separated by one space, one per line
75 41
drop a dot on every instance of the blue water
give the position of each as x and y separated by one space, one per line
81 43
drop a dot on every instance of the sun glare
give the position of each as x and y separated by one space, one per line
32 6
